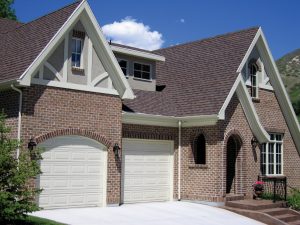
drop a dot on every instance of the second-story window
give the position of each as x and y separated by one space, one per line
253 80
142 71
123 64
76 52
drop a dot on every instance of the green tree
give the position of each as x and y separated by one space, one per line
16 196
6 11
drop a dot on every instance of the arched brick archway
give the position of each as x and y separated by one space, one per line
233 150
72 131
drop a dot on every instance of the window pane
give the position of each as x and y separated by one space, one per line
146 68
78 46
137 66
73 45
278 137
263 158
272 136
124 71
123 63
146 75
271 158
73 59
138 74
77 63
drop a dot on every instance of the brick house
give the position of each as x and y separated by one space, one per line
197 121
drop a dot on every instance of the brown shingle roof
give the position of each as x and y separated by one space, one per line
20 46
7 25
198 76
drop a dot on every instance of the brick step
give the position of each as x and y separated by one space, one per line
254 204
287 217
234 197
296 222
275 211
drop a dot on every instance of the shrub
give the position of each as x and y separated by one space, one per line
16 196
294 199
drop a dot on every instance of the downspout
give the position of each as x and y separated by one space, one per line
19 119
179 160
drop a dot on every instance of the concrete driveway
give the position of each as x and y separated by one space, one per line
167 213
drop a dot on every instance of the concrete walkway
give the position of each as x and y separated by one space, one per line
167 213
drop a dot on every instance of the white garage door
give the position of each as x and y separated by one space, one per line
74 173
147 173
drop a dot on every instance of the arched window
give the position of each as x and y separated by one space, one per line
253 79
200 150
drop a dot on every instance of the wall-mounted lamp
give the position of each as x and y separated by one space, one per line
31 144
116 149
254 142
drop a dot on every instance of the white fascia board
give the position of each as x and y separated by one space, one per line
74 86
25 78
252 45
260 133
281 93
221 113
168 121
137 53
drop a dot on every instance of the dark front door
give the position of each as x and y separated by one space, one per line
232 152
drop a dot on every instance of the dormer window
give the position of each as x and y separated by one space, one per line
76 52
77 47
142 71
253 79
124 66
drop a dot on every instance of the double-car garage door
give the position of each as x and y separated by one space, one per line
75 172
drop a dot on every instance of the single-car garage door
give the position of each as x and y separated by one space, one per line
74 173
147 173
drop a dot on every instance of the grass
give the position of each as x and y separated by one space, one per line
33 220
294 199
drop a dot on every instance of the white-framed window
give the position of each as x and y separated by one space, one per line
272 156
124 66
142 71
77 52
253 80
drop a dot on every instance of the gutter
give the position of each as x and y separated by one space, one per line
19 118
179 160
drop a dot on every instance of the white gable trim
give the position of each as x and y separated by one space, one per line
245 99
240 89
168 121
83 10
278 86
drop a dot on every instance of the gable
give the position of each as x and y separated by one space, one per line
261 45
100 71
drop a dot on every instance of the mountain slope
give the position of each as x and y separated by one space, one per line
289 68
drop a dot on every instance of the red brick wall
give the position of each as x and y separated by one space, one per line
271 117
48 109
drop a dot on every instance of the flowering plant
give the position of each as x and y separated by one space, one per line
258 186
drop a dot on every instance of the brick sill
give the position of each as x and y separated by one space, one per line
198 166
256 100
76 69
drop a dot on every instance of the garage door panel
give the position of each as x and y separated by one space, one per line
73 173
147 170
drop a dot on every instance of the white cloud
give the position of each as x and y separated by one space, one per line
182 20
130 32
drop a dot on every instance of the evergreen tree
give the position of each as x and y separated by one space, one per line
6 11
17 197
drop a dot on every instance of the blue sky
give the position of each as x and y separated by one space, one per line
178 21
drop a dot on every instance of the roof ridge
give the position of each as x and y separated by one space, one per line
209 38
47 14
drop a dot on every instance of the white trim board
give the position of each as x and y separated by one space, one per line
137 53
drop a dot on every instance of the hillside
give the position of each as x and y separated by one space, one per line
289 68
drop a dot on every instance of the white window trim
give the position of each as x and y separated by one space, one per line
127 66
81 54
138 78
267 156
251 84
